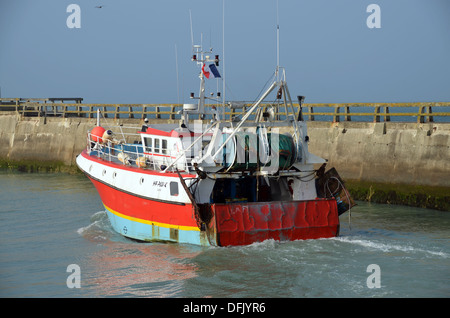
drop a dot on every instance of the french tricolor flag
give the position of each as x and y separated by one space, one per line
212 69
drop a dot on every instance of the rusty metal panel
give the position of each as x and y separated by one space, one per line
247 223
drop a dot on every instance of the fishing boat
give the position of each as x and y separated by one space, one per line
216 182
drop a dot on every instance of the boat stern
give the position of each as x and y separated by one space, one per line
251 222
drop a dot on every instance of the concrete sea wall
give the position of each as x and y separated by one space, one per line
397 163
414 154
42 139
408 153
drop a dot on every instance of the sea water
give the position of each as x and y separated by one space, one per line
56 241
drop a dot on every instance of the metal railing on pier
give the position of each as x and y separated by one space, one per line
364 112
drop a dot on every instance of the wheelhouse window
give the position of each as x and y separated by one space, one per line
156 148
148 144
164 147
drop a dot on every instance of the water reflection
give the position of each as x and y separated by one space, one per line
122 267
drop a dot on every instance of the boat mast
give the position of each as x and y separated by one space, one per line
203 57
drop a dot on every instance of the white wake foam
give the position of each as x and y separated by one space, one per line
390 247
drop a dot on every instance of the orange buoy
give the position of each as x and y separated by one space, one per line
97 133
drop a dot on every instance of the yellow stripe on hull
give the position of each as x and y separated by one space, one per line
164 225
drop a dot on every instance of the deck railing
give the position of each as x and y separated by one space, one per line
133 155
366 112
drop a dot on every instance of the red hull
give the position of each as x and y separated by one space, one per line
231 224
145 210
242 224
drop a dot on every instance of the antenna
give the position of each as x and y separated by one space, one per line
210 42
176 66
192 34
223 55
278 43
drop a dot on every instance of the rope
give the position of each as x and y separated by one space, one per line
346 193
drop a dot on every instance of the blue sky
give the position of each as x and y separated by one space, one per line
125 51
